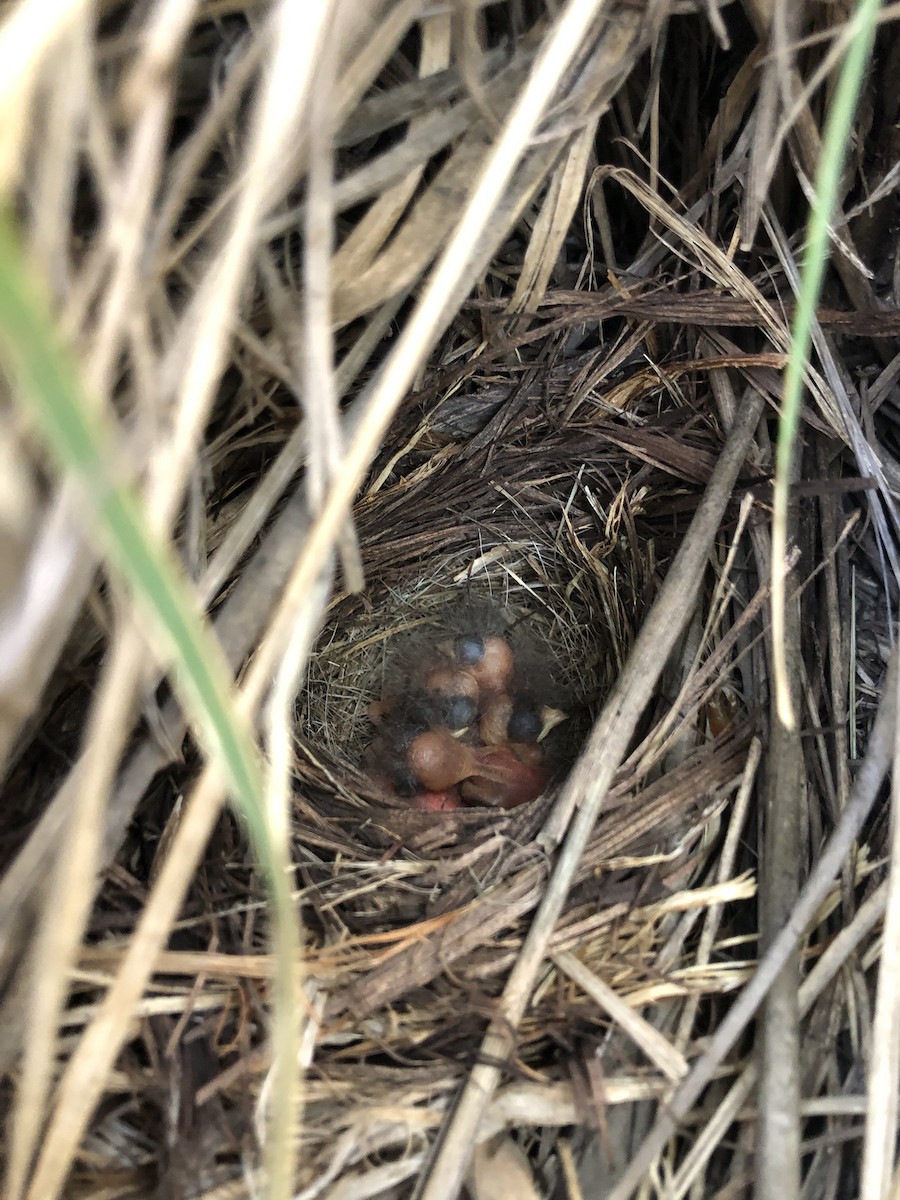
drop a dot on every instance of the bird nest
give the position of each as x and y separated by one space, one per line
415 918
562 548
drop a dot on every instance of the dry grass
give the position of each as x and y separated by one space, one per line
399 307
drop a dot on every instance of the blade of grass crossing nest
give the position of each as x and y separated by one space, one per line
320 390
238 635
94 1057
834 143
86 1073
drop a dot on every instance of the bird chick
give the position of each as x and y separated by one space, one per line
522 780
489 660
438 761
402 785
520 719
457 695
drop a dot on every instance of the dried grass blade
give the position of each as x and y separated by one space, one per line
776 78
658 1049
364 242
29 31
552 225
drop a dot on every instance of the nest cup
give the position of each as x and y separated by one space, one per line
562 607
557 534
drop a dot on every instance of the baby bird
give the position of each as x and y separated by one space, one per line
525 778
405 716
522 719
462 722
437 761
489 660
457 695
401 784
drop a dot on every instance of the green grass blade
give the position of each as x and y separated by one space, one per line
84 447
83 442
834 144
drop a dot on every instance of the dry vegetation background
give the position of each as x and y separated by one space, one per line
394 305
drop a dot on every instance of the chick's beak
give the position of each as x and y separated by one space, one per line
550 718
